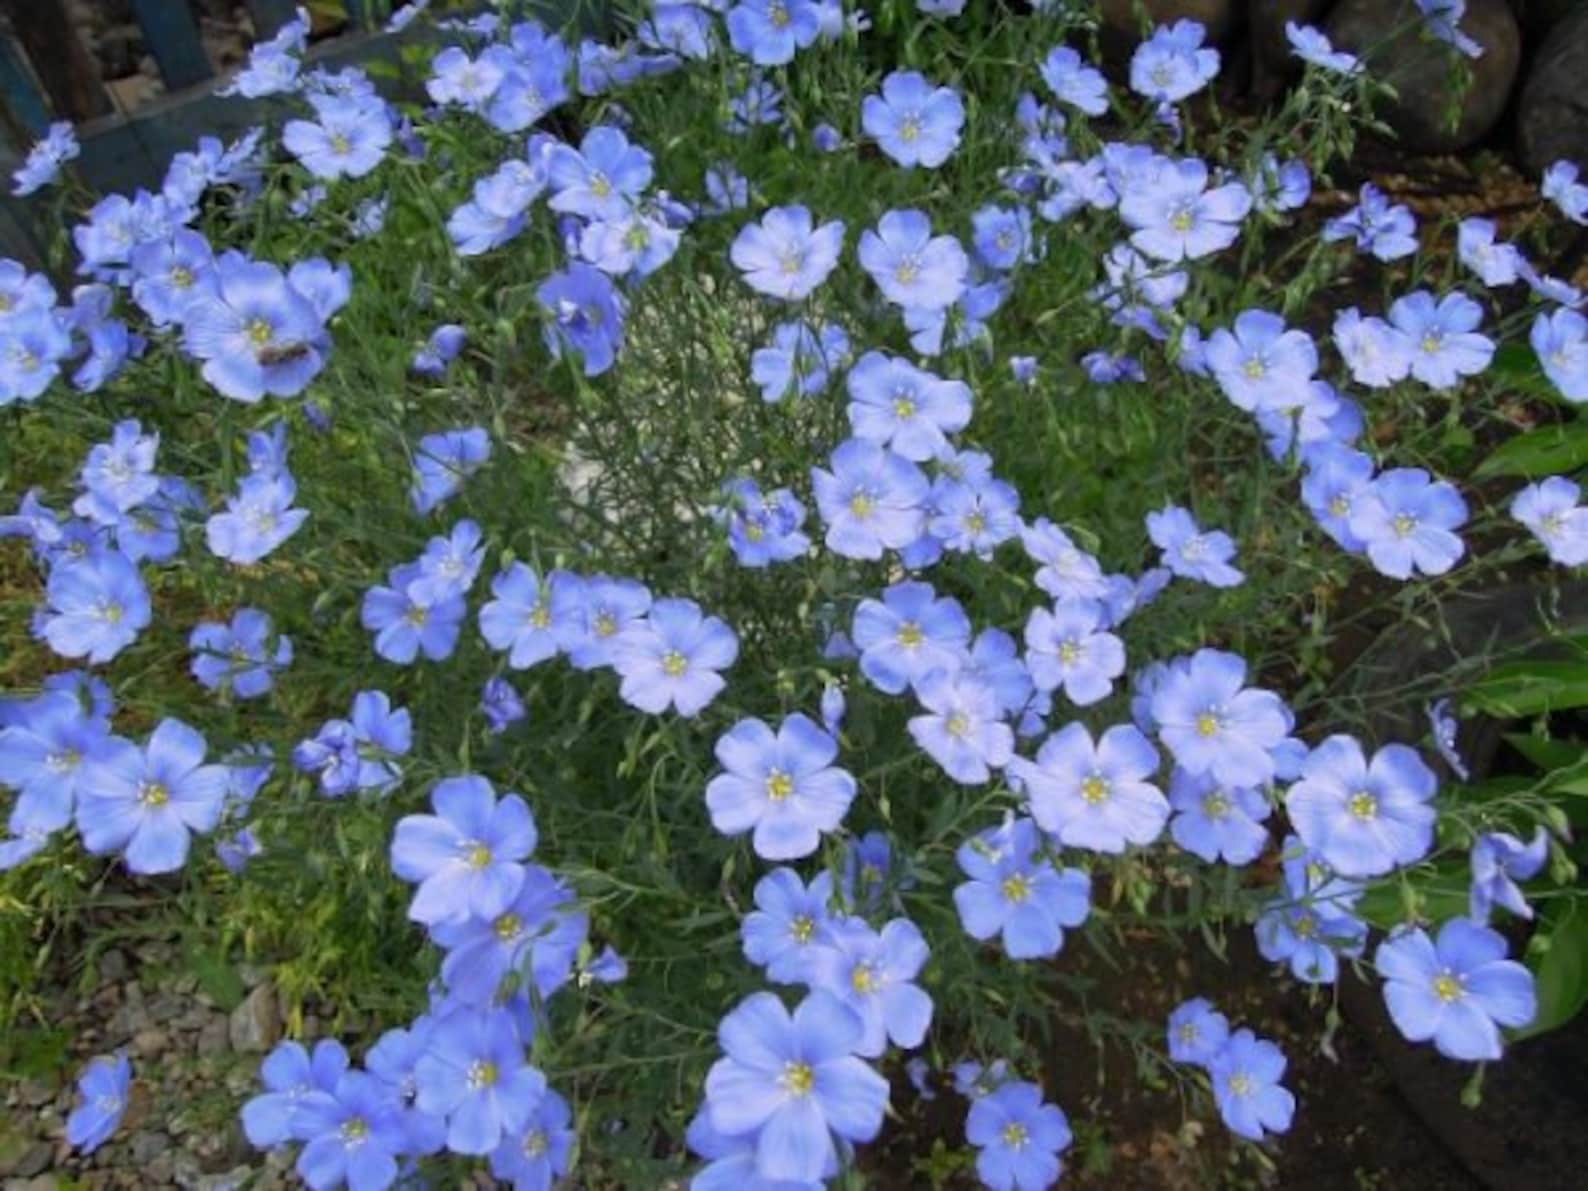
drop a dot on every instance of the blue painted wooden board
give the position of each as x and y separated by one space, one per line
173 38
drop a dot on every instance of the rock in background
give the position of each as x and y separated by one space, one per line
1273 63
1552 117
1420 68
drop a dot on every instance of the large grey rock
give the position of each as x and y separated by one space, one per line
1552 118
1272 59
1389 35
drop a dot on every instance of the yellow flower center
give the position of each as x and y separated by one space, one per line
482 1074
340 145
803 927
779 785
354 1131
1241 1084
790 263
417 616
1207 724
536 1144
753 532
600 186
181 277
1182 221
910 634
1216 805
958 724
1431 343
1015 1135
975 523
1095 789
477 854
778 14
1448 987
903 408
1340 506
860 504
605 624
153 794
540 615
1255 369
799 1079
111 613
907 272
1363 805
910 130
1306 926
260 332
1016 887
1405 524
1069 653
508 927
674 664
863 980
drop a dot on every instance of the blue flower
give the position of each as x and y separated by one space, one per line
1499 860
168 275
602 178
1106 368
1364 818
32 345
49 747
1407 522
1387 231
761 102
585 315
963 729
1017 894
443 346
540 1152
1217 822
412 616
443 461
1019 1137
103 1086
1173 63
473 1073
974 517
501 705
672 658
519 619
1075 82
1260 363
1552 512
1213 723
909 633
1456 991
348 140
1310 938
791 1082
726 189
634 245
1002 236
449 565
293 1080
257 332
872 499
895 404
1197 1032
458 79
1067 572
800 356
467 858
731 1161
873 973
789 922
868 863
1094 795
1495 263
1246 1073
1189 552
1280 186
1444 344
1560 186
762 529
94 606
1176 217
1560 340
785 255
1442 19
912 121
912 267
1444 728
145 802
43 164
235 851
1337 478
1068 647
497 212
782 786
238 657
769 32
588 618
1312 45
354 1134
535 938
392 1061
1377 354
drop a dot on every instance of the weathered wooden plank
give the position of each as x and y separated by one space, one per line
25 111
173 38
68 75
